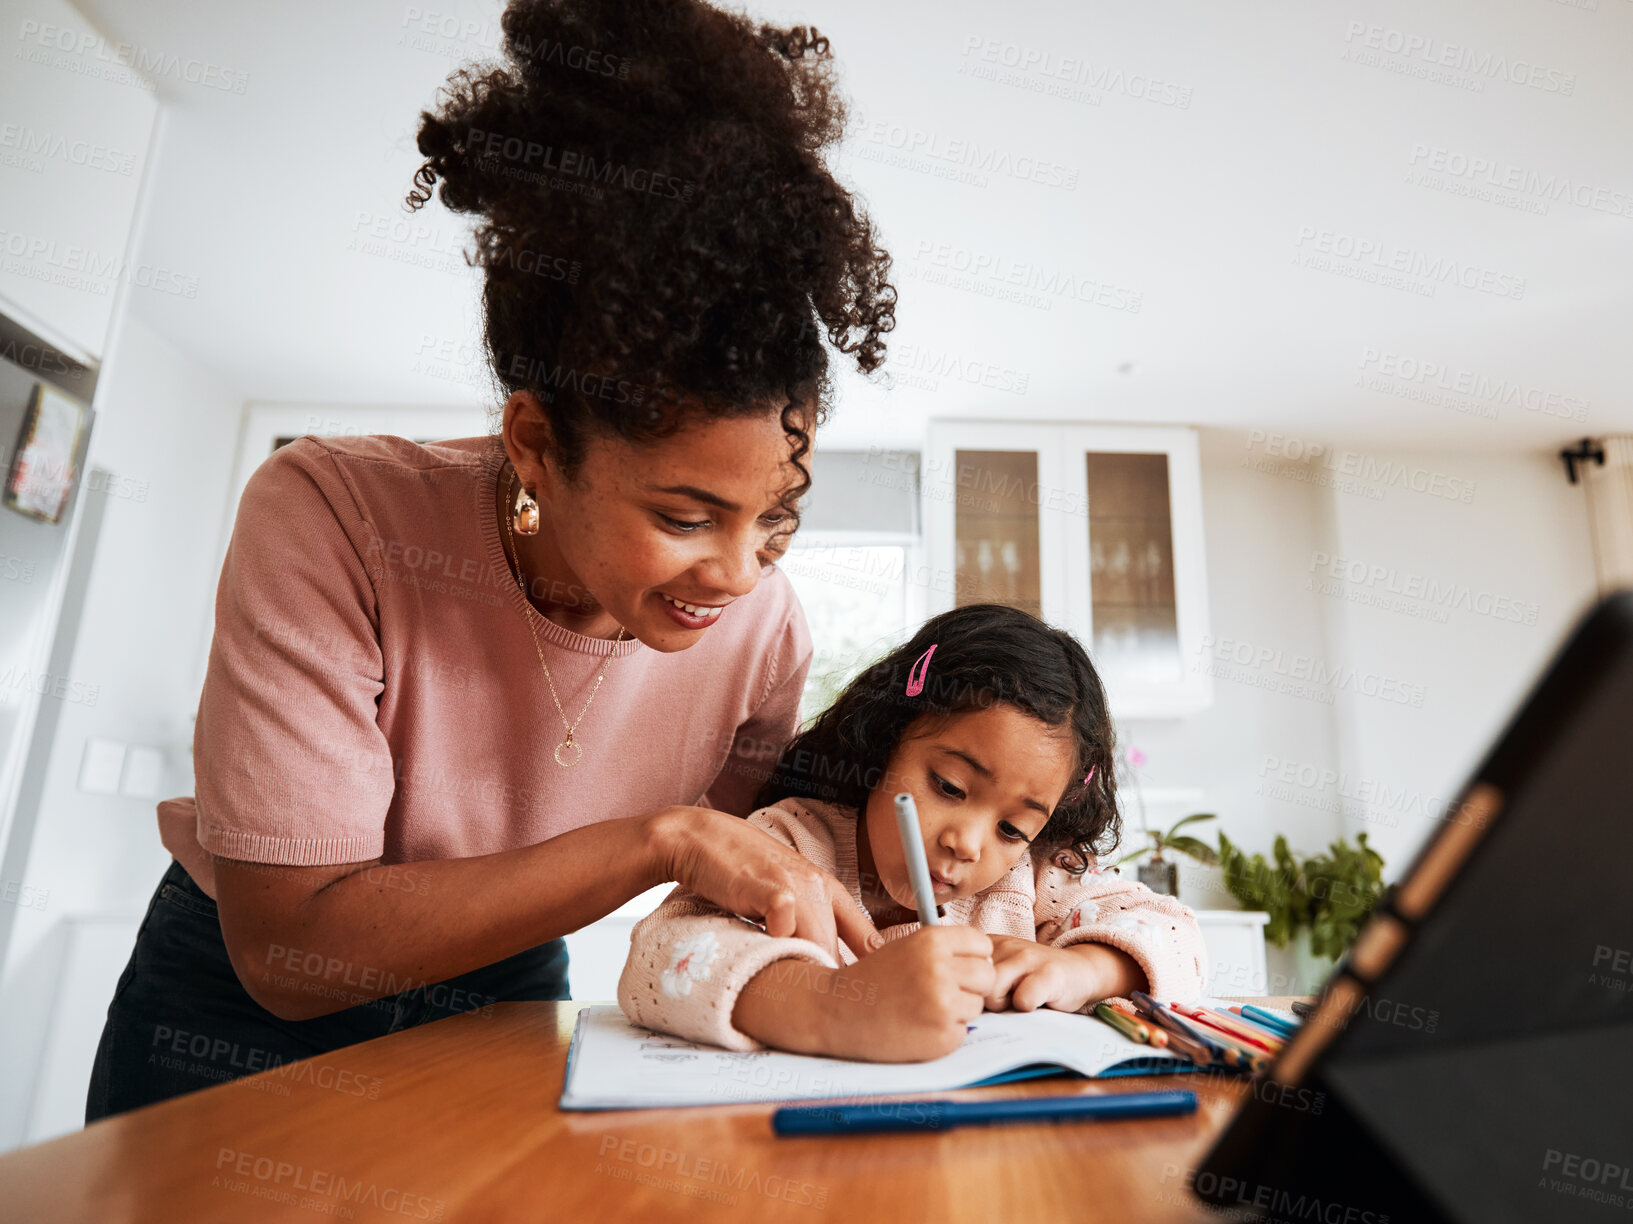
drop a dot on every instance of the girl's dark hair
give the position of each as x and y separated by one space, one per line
986 654
660 235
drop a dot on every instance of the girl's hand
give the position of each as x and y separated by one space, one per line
910 1001
741 868
925 990
1028 975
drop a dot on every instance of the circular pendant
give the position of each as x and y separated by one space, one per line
572 749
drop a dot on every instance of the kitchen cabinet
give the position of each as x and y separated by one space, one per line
1095 528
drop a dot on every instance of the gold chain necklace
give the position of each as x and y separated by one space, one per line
514 557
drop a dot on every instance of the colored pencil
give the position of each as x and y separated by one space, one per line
1211 1022
1120 1022
1249 1033
1233 1025
1268 1020
1154 1035
1198 1053
1255 1059
1255 1027
1177 1025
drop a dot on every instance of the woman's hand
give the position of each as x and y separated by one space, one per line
1028 975
910 1001
741 868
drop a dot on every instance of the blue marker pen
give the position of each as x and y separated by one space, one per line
918 869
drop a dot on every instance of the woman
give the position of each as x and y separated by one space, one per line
465 698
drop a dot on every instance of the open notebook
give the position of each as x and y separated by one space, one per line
614 1064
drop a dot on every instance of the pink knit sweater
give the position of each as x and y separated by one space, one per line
689 959
373 689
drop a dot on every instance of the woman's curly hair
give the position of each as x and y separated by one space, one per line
660 235
985 655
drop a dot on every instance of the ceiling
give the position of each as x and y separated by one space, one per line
1409 228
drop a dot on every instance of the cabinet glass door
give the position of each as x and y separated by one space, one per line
995 529
1131 568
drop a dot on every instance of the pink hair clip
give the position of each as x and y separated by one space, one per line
921 666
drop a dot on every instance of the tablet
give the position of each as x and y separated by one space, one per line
1471 1058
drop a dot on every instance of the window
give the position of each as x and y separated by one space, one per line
856 600
856 564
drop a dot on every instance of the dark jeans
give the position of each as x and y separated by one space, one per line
180 1020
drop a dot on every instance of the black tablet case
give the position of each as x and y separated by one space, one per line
1518 1105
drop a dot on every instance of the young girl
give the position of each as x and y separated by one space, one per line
997 725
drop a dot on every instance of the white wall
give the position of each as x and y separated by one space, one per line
1259 530
1359 702
168 429
1512 571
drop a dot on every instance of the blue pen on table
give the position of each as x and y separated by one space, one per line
918 869
943 1115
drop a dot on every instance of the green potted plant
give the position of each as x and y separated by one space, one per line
1158 874
1331 894
1161 875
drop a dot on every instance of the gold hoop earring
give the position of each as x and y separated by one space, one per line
525 517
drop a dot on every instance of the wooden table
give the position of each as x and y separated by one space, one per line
457 1121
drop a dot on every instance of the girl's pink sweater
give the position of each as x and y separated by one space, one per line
689 959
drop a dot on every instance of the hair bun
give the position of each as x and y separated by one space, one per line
602 91
654 206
